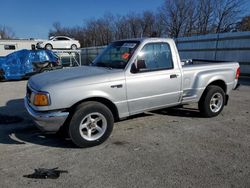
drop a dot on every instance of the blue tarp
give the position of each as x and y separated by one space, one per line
20 63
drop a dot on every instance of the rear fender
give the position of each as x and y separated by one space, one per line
204 79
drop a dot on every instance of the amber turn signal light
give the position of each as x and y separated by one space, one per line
41 99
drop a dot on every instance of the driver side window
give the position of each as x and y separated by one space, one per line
157 56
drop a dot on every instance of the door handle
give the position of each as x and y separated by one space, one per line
173 76
116 86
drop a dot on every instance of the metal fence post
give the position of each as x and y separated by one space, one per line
216 46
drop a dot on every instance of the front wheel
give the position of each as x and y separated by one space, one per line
212 101
91 124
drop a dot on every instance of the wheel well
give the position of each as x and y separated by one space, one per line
104 101
48 44
219 83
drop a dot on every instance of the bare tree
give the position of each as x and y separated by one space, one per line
134 22
148 22
99 31
226 14
92 32
244 24
6 32
159 27
189 26
121 27
175 14
204 16
105 28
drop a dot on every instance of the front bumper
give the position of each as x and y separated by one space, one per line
47 121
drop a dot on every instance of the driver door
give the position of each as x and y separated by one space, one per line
158 84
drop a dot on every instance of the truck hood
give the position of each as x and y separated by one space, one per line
74 77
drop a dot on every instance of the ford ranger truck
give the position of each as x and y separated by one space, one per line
129 77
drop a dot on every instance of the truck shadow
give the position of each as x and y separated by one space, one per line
17 128
30 134
180 112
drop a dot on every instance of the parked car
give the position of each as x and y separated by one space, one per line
129 77
24 63
59 42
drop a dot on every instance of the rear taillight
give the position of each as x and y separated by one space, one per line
237 73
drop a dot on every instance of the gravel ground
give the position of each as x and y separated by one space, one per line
166 148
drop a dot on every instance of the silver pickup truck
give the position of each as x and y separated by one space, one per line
127 78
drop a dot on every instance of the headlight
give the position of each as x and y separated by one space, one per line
41 99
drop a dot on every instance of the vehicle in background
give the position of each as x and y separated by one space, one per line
129 77
8 46
59 42
24 63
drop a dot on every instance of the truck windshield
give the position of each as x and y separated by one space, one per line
116 55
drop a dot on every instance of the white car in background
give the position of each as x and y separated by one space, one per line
59 42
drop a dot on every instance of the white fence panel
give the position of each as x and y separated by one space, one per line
223 47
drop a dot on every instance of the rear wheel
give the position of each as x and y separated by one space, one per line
212 101
91 124
73 47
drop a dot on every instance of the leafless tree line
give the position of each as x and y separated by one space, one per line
101 31
189 17
175 18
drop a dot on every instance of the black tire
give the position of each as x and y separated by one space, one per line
41 65
48 47
209 107
73 47
83 116
1 74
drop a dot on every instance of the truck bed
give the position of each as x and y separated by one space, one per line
196 75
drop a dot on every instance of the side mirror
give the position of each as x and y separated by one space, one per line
134 69
141 64
137 66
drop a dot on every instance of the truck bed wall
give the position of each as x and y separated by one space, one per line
197 77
